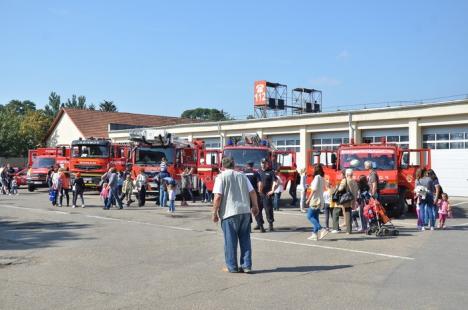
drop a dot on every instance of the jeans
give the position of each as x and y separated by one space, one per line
276 201
171 205
302 202
362 217
64 192
430 212
141 196
75 197
236 229
162 198
113 194
313 217
425 209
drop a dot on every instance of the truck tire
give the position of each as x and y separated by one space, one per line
401 207
31 188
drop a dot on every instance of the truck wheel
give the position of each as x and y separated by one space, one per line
402 204
31 188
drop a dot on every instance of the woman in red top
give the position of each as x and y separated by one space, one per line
65 180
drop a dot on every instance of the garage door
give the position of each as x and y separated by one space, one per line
451 167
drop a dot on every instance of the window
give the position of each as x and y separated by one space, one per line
286 143
446 140
456 145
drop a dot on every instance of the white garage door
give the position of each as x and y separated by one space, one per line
451 167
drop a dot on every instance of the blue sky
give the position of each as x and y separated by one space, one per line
163 57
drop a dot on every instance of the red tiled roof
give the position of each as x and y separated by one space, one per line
96 123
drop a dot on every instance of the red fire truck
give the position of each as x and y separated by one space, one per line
41 160
150 146
395 167
248 150
93 157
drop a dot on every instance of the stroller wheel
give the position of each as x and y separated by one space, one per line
396 232
378 233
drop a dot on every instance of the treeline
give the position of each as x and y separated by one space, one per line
23 126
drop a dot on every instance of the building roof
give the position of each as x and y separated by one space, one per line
96 123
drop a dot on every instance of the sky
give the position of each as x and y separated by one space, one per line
164 57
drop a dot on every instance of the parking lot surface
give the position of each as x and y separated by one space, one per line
144 258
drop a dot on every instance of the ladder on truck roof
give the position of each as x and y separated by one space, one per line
156 137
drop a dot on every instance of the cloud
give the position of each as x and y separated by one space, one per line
343 55
325 81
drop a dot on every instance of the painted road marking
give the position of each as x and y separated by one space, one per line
215 232
459 203
333 248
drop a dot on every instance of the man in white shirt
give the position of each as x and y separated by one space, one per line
233 194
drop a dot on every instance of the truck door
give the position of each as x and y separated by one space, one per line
408 162
286 162
328 160
208 165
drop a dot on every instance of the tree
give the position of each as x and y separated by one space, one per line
107 106
53 107
33 128
92 107
206 114
75 103
20 107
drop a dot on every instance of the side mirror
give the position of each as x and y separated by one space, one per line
333 158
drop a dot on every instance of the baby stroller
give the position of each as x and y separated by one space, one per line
379 222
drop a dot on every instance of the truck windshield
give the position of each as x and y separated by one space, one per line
153 155
243 156
90 151
381 159
43 162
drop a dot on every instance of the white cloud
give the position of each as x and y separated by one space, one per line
324 81
343 55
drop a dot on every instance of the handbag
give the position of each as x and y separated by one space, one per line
315 203
347 196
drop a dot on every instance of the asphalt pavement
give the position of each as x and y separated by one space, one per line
144 258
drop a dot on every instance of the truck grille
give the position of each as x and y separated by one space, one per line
88 167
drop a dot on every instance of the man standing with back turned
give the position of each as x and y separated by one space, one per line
233 194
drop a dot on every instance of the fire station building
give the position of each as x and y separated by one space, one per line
442 127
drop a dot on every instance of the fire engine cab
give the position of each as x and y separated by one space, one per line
41 160
150 146
395 167
93 157
248 149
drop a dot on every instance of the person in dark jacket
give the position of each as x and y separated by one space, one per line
78 190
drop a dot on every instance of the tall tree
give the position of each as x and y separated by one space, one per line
76 102
92 107
107 106
53 106
20 107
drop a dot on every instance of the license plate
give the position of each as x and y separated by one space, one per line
88 180
37 182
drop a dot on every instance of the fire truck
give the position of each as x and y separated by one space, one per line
41 160
248 149
93 157
150 146
396 168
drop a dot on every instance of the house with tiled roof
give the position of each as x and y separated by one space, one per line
72 124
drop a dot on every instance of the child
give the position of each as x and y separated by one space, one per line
444 210
78 190
171 196
14 186
105 194
355 216
127 189
326 207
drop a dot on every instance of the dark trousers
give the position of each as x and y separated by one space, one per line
348 220
64 192
267 204
75 197
293 193
327 213
336 217
142 196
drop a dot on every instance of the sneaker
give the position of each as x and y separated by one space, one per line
313 237
432 227
83 206
322 233
257 227
303 211
423 228
60 206
73 206
334 231
262 230
245 270
270 228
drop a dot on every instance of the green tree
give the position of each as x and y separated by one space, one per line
33 128
53 106
20 107
206 114
107 106
92 107
76 102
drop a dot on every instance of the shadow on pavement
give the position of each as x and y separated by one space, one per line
302 269
15 235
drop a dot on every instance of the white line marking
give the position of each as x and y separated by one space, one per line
334 248
194 230
289 213
464 224
459 203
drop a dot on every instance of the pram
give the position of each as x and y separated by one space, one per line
379 223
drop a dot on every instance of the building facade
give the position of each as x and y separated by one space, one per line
442 127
